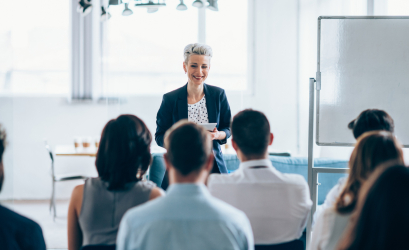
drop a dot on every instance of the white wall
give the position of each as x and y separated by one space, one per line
29 120
309 11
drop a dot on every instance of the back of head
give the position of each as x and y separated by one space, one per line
370 120
2 148
251 132
371 150
124 151
382 218
188 147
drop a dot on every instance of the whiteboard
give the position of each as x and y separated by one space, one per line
363 63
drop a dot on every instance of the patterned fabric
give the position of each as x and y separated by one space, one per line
197 112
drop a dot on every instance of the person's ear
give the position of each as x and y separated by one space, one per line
209 163
1 174
234 144
185 67
166 160
271 139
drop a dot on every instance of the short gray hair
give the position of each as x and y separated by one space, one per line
197 49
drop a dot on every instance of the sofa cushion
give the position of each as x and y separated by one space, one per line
292 165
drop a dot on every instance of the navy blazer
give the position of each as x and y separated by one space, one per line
174 108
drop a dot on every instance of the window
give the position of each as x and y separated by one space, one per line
226 32
34 44
398 7
143 53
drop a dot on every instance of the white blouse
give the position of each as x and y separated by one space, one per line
197 112
328 230
330 199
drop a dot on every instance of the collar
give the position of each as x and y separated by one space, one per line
255 163
187 189
183 91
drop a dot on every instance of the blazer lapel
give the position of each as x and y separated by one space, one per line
182 103
210 104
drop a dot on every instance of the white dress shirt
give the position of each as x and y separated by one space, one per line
328 229
188 217
276 204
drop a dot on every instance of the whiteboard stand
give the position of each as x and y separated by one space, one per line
313 172
367 51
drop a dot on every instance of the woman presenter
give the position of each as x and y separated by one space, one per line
198 102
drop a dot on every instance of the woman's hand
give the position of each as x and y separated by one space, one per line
217 135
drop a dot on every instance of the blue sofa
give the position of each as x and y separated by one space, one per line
294 165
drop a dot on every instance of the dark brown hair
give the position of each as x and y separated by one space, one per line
188 147
251 132
381 221
2 148
370 120
372 148
2 142
124 151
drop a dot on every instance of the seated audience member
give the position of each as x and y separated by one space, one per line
188 217
372 149
367 120
276 204
96 208
381 221
371 120
16 231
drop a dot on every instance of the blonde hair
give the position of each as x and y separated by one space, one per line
197 49
371 150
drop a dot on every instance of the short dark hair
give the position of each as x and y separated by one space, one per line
124 151
381 220
188 147
370 120
2 148
251 132
2 142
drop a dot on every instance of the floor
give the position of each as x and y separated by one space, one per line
55 232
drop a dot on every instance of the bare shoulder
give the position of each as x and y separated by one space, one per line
76 198
78 191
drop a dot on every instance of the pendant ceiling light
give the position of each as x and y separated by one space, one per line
197 4
104 14
84 7
181 6
115 2
213 5
152 10
151 5
127 11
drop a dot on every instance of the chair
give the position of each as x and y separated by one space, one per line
98 247
58 179
292 245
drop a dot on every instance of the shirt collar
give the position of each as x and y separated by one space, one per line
187 189
255 163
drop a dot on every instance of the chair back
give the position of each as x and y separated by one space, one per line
98 247
50 152
292 245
